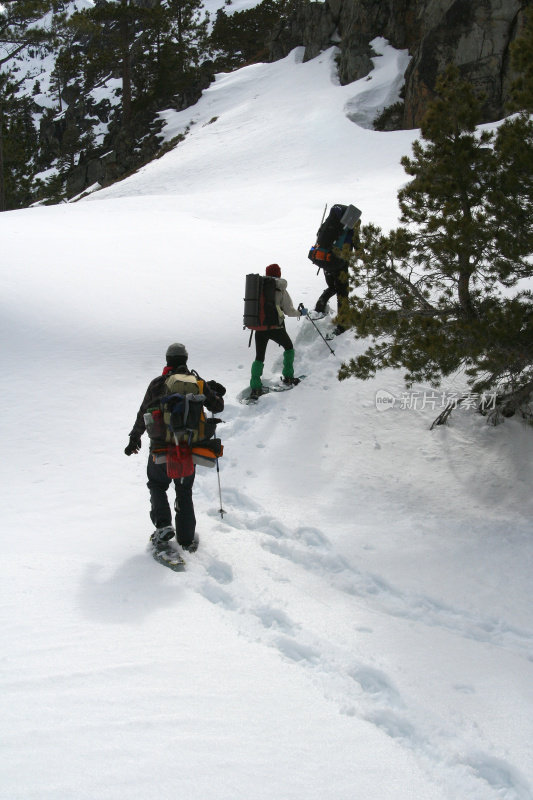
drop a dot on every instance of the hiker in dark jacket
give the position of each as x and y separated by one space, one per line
158 480
277 334
337 277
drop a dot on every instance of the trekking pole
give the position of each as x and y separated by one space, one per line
220 510
317 330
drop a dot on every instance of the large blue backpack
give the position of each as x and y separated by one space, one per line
335 232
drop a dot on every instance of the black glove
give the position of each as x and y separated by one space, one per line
217 388
133 447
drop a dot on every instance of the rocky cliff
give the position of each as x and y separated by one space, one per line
474 34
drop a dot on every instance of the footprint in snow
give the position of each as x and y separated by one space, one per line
275 618
376 684
215 594
296 651
503 778
220 571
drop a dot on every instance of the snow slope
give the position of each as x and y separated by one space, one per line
358 623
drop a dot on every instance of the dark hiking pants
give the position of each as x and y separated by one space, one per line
335 285
160 513
262 338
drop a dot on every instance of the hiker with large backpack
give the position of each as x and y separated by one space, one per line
335 241
180 438
271 303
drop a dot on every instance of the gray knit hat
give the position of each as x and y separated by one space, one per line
177 350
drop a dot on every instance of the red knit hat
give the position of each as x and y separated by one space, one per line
273 271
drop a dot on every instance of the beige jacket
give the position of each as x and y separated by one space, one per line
284 302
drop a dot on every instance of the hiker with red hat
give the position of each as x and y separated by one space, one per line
277 334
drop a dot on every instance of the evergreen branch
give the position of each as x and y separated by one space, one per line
413 290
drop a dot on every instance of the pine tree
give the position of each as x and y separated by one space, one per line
111 29
174 49
17 33
435 294
18 145
155 47
240 37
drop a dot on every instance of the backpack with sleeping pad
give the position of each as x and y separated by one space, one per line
334 239
181 435
260 310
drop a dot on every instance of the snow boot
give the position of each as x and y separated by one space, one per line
193 546
322 302
161 536
290 381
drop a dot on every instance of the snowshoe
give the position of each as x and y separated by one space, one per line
286 383
166 553
290 381
161 536
251 396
